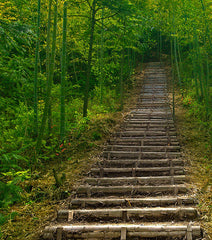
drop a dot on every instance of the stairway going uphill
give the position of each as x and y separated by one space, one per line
138 189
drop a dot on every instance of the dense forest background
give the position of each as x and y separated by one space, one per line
65 64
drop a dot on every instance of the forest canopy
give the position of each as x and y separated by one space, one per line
63 63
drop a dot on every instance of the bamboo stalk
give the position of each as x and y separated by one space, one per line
63 75
36 70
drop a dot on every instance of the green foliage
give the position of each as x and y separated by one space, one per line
121 33
10 193
5 218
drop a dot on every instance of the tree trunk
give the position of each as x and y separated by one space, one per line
36 72
63 76
87 84
49 82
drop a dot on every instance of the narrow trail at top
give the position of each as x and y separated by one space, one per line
138 190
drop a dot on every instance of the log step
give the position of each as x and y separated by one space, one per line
142 148
155 129
140 155
142 142
128 214
145 133
120 181
151 124
116 231
134 163
150 121
131 202
137 172
129 135
135 190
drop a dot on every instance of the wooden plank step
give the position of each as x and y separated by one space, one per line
113 231
131 202
134 163
128 214
140 155
119 181
135 190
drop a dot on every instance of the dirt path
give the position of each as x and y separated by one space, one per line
138 190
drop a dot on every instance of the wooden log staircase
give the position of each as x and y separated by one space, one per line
138 190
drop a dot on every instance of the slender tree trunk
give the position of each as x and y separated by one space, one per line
49 80
160 46
195 76
199 66
101 59
207 87
74 67
87 84
173 81
122 80
63 75
36 71
207 29
176 62
48 40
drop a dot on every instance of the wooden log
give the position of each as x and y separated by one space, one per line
139 155
141 163
159 227
135 180
143 142
149 133
127 214
119 147
134 202
132 190
125 170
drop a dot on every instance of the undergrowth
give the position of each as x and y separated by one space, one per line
30 191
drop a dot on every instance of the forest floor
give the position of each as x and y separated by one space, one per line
197 152
38 207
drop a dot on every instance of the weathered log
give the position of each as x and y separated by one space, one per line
119 147
144 133
134 163
143 142
125 170
135 180
132 190
140 155
135 202
159 213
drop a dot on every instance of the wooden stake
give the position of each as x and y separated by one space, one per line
59 233
123 233
189 232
